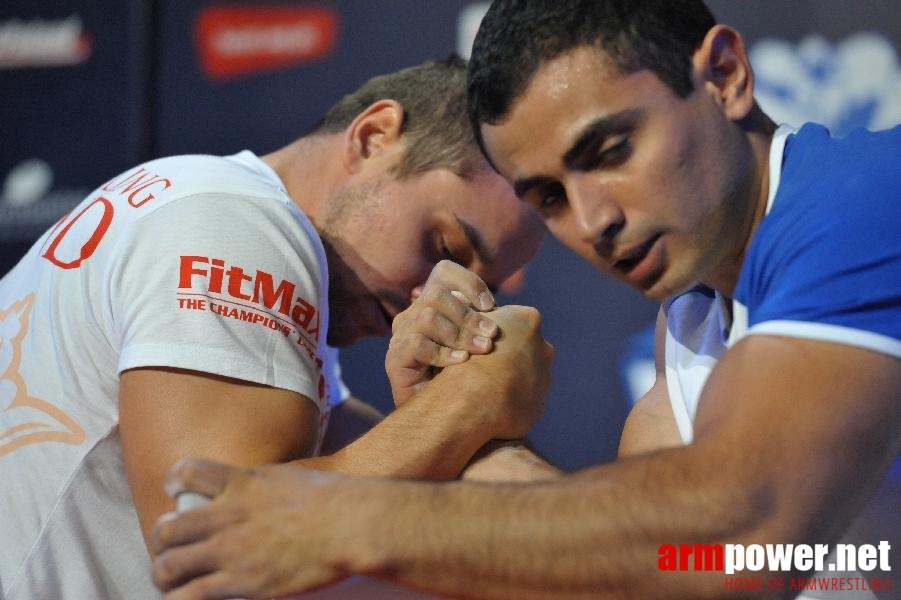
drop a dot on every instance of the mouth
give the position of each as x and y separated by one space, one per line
639 264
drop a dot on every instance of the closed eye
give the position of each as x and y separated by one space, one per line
453 247
445 252
614 152
548 198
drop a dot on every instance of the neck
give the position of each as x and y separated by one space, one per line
758 130
310 169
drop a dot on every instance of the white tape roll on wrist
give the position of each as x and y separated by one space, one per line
186 501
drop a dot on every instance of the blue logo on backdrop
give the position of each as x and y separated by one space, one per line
854 83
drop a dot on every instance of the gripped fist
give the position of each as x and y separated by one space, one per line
443 326
507 387
269 531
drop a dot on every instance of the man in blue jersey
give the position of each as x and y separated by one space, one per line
776 414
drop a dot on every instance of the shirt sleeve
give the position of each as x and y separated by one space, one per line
826 263
221 284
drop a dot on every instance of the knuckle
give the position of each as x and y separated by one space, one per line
227 552
437 353
252 568
431 294
187 471
397 344
457 303
471 320
164 572
393 352
442 357
427 314
462 339
444 266
445 329
403 317
424 345
161 535
532 313
205 588
393 343
240 479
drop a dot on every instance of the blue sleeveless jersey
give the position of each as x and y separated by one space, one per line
825 262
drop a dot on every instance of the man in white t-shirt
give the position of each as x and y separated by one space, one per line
191 306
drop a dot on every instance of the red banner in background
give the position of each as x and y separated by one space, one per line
237 41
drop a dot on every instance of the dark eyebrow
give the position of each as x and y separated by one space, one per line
475 239
595 131
591 133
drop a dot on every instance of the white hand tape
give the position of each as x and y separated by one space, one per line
186 501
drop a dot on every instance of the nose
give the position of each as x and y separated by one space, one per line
416 292
596 215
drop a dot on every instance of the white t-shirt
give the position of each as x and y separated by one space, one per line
195 262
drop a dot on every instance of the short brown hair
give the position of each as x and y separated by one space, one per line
436 127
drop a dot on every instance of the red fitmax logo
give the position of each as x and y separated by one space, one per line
235 41
249 286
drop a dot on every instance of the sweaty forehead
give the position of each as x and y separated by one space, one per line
535 112
563 97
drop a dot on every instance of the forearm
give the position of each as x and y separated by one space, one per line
599 533
348 421
432 437
593 535
785 459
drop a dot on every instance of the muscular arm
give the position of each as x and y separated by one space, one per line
167 414
824 412
432 436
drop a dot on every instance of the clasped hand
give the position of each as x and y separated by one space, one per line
499 359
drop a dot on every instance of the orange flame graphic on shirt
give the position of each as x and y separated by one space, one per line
25 419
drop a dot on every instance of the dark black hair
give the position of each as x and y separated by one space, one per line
517 37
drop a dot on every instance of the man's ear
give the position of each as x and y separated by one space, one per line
722 68
374 133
